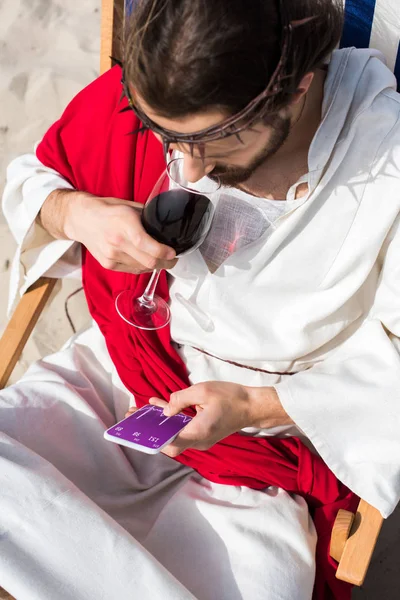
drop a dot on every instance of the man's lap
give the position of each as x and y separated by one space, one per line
206 535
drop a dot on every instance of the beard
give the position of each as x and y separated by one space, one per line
234 176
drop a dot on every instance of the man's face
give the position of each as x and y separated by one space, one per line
231 160
233 176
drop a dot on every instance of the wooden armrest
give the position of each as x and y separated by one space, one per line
353 541
112 14
21 324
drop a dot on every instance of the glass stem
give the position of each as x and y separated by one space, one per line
148 295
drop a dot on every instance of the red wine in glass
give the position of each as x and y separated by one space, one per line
180 217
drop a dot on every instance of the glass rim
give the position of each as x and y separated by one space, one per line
189 189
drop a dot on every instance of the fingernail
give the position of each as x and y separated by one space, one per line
167 411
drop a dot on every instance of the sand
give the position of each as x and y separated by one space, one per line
49 50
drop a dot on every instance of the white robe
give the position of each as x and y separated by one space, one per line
320 296
82 518
323 291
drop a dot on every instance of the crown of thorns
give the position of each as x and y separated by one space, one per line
237 123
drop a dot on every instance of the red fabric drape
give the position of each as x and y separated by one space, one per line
93 148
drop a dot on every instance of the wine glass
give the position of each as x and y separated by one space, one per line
177 214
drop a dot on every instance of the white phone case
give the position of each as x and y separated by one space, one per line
146 450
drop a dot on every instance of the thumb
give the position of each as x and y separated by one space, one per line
131 411
180 400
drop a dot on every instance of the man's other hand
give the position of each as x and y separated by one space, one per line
222 409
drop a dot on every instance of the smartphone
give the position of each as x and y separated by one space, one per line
147 430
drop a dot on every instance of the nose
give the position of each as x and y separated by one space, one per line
196 168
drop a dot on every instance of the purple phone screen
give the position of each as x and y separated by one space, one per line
149 427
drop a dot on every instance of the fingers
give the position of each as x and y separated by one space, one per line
135 238
177 403
116 260
184 439
117 202
194 436
146 260
180 400
147 250
113 233
131 411
199 433
134 248
158 402
136 205
124 244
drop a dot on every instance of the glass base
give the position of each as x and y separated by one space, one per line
149 316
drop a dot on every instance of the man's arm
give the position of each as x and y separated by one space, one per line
44 211
28 184
110 229
222 409
53 214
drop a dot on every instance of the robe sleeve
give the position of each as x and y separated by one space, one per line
349 404
28 185
66 158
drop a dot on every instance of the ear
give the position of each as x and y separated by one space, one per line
303 88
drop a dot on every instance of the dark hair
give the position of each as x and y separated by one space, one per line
184 56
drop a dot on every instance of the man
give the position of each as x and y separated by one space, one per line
285 323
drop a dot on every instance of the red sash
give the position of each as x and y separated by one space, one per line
91 146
